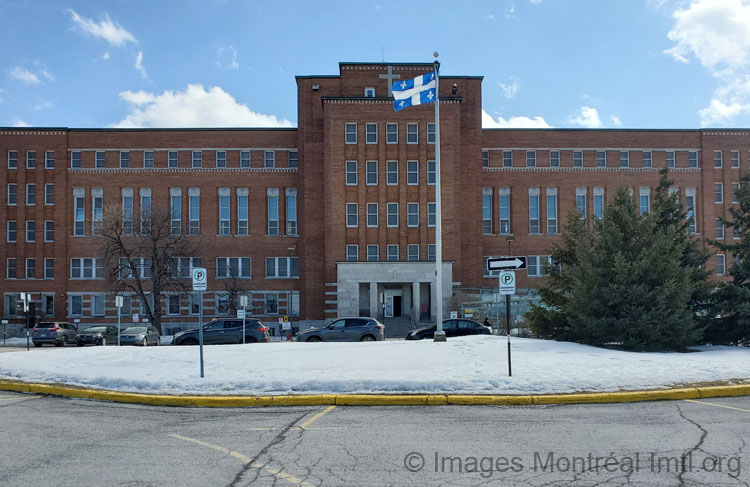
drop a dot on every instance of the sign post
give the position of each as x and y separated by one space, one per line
25 298
243 303
118 305
200 285
5 325
507 286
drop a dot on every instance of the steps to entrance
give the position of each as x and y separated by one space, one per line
397 327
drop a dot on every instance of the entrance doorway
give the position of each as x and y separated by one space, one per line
394 303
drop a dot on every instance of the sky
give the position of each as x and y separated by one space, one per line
220 63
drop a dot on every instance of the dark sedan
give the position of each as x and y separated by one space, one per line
452 328
97 335
225 331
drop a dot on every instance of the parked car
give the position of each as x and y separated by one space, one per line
452 328
225 331
58 333
97 335
345 330
139 335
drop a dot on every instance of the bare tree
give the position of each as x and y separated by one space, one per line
146 255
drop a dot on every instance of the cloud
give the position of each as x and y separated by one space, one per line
489 122
43 105
715 33
489 17
139 65
226 58
585 117
510 10
105 56
106 29
24 75
616 122
20 123
535 2
193 107
511 89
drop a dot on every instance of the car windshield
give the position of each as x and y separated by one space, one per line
45 325
135 329
96 329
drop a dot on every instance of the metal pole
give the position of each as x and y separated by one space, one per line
244 312
439 334
200 326
118 327
507 318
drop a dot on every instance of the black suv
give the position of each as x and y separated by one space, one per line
225 331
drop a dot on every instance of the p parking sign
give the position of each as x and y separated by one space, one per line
199 279
507 282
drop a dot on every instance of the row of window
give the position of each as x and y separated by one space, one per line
49 159
11 231
719 192
391 173
197 159
30 270
624 160
392 215
392 253
391 133
12 194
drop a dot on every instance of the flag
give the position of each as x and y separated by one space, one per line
415 91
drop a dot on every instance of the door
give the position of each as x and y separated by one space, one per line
232 331
213 332
335 332
389 306
354 329
397 306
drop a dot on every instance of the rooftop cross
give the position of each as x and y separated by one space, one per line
390 77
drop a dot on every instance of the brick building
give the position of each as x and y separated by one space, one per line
321 220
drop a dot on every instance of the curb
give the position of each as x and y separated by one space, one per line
377 399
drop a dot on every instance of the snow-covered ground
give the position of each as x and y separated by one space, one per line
476 365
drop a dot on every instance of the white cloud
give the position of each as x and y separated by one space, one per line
489 17
20 123
106 29
193 107
616 122
105 56
511 89
139 65
43 105
226 58
535 2
25 76
585 117
489 122
510 10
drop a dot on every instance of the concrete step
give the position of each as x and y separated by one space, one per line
397 327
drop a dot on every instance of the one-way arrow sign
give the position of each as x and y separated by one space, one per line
506 263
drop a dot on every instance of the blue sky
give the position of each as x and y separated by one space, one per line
560 63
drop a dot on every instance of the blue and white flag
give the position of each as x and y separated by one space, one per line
415 91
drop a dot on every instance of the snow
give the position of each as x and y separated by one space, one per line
468 365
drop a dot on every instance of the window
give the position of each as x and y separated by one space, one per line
719 229
282 267
97 304
352 253
534 211
391 133
145 211
127 211
504 197
148 159
718 192
172 159
31 159
221 158
224 218
412 172
644 200
431 252
554 158
391 215
412 251
351 173
371 133
49 268
736 233
351 133
242 212
485 158
49 231
10 268
373 253
735 158
182 267
194 211
431 214
670 158
85 268
372 214
431 172
124 159
598 202
75 159
175 201
693 158
49 194
76 305
137 266
507 158
647 159
369 92
351 215
718 159
412 214
371 178
269 158
197 159
273 211
11 231
31 194
392 251
30 268
173 304
79 216
31 231
293 159
412 133
48 304
537 265
291 211
391 174
581 202
690 210
530 158
12 159
735 191
577 158
601 158
720 264
12 194
239 267
487 211
195 303
624 158
552 211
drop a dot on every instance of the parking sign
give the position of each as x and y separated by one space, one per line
199 279
507 282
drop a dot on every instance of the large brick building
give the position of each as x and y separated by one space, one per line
320 220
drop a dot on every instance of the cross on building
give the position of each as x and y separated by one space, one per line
390 77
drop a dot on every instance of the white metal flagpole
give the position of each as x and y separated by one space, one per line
439 333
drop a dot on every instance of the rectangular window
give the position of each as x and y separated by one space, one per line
10 268
293 159
412 214
352 219
391 133
97 304
239 267
12 159
282 267
530 158
176 212
718 159
173 304
85 269
487 214
224 218
75 159
273 215
11 231
371 133
430 133
581 205
49 194
271 303
79 213
124 159
507 158
197 159
48 305
577 158
431 252
504 213
720 264
30 268
647 159
194 213
101 161
291 212
351 173
718 192
172 159
242 212
532 266
31 159
148 159
31 231
412 172
624 158
735 192
127 211
97 211
412 251
693 158
352 253
145 211
645 203
412 133
373 253
431 215
372 214
371 177
392 215
601 158
194 302
49 231
31 194
76 305
245 158
221 158
369 92
49 268
12 194
485 158
719 229
391 175
735 158
11 304
431 173
269 159
690 213
598 205
392 251
670 159
552 213
182 267
351 133
554 158
534 214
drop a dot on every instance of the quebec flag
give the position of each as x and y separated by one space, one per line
415 91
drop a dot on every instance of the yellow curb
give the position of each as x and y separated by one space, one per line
476 400
381 400
725 391
608 397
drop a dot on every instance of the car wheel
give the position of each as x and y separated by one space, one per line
314 339
145 342
37 344
368 338
104 342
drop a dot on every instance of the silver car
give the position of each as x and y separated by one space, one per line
345 330
140 335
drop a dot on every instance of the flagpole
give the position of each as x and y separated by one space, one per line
439 333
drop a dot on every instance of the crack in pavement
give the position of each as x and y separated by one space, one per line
704 434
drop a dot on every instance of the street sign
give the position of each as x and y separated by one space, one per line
506 263
136 318
507 282
199 279
240 313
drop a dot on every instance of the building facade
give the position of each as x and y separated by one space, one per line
335 217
